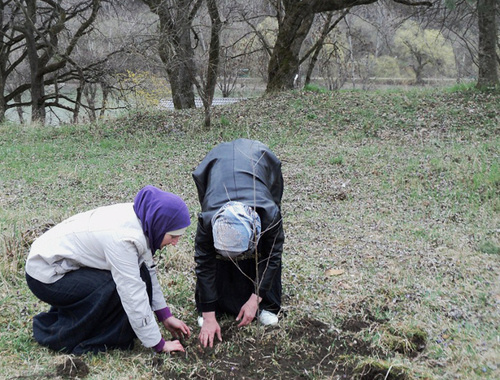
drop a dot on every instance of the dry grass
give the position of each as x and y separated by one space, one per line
391 209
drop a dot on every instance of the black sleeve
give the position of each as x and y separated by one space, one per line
270 251
205 267
276 186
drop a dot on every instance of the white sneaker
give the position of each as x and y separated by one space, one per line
267 318
200 321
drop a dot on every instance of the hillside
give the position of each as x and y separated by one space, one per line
391 213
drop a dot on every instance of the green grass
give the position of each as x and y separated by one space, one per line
399 190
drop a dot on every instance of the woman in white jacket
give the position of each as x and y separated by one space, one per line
96 270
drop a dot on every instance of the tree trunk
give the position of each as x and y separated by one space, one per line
37 92
78 100
487 60
285 59
3 105
175 48
106 90
19 109
180 78
177 55
317 48
213 60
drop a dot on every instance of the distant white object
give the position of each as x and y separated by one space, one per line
169 104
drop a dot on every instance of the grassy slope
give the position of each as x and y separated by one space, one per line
396 191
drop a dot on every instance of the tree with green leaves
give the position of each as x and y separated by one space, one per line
421 49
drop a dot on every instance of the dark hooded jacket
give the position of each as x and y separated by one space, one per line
249 172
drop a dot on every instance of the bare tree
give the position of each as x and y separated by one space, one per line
315 50
175 46
473 29
42 34
228 72
207 93
45 28
458 23
11 54
295 19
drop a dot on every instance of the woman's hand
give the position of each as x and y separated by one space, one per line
172 345
248 310
178 328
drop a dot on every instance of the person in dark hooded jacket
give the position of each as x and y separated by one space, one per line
239 237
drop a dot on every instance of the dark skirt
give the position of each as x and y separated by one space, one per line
86 313
234 288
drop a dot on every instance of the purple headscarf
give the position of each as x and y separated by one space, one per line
160 212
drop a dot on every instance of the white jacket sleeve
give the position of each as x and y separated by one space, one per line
124 258
158 297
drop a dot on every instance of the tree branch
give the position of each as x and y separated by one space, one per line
415 3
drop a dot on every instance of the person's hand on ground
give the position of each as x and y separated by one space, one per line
209 330
172 345
178 328
248 310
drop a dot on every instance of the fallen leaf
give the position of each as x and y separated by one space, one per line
334 272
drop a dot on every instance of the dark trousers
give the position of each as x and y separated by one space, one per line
86 314
234 288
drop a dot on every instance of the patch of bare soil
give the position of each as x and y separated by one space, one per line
71 368
310 349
